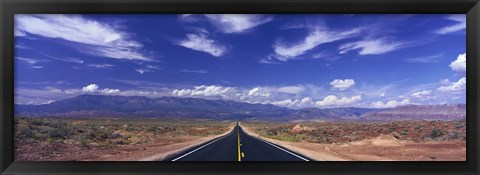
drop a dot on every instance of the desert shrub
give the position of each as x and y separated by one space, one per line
26 132
396 135
133 129
459 126
436 133
272 132
455 136
85 142
50 140
116 135
105 134
152 129
44 130
37 121
60 133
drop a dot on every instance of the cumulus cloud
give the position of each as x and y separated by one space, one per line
98 39
204 90
455 86
390 104
333 100
306 102
200 42
460 24
291 89
342 84
295 103
286 103
258 91
445 81
316 37
372 46
110 91
422 94
237 23
94 88
90 88
460 64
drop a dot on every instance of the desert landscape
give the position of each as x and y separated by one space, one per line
386 141
95 127
66 139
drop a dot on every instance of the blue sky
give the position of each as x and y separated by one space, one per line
295 61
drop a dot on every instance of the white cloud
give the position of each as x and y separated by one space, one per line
287 103
459 64
101 66
94 88
445 81
306 102
372 46
142 71
342 84
18 32
455 86
90 88
422 94
147 68
382 94
200 71
291 89
426 59
333 100
200 42
390 104
316 37
204 90
32 63
67 59
99 39
237 23
258 91
460 24
110 91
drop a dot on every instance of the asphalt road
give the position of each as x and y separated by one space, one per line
238 146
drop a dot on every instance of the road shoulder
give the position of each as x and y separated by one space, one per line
181 147
310 150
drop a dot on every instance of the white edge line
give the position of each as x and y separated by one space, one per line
199 148
283 149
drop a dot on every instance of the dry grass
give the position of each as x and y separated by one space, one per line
54 138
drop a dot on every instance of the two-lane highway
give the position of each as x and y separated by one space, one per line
238 146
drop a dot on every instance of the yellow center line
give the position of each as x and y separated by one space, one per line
239 152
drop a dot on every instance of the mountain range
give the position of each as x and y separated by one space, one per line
173 107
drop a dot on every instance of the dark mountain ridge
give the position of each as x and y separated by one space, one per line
174 107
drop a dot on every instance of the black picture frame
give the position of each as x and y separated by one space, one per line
10 7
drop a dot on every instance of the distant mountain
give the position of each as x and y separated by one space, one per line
419 112
131 106
173 107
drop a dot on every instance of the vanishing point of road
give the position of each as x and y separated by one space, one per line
237 146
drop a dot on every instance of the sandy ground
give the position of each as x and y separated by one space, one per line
157 149
382 148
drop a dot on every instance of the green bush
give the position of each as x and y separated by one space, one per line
27 132
436 133
60 133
